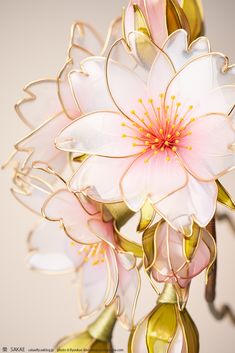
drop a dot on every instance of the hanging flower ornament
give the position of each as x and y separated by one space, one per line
130 138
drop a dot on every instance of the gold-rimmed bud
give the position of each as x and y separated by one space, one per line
165 329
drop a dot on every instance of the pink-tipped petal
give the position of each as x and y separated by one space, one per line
151 177
99 178
64 206
199 205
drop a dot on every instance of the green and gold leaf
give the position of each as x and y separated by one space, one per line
147 214
224 197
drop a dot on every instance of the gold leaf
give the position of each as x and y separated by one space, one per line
161 328
190 243
127 245
175 17
194 13
224 197
149 247
147 214
190 332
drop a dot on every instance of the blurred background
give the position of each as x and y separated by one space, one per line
35 309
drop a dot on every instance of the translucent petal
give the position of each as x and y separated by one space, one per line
138 339
40 144
198 78
89 81
99 133
176 47
99 178
41 103
128 290
196 201
64 206
151 180
210 156
51 250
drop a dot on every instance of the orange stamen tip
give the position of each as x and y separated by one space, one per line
146 160
148 135
178 104
174 149
140 100
168 159
72 243
177 141
173 126
150 100
190 133
192 120
161 131
189 148
123 135
146 143
155 152
144 150
161 95
140 129
156 140
169 136
166 143
178 133
162 149
190 107
153 147
173 98
134 144
132 111
123 124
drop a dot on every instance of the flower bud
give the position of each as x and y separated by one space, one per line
165 329
97 337
157 18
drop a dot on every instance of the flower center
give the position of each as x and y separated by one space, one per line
94 252
162 128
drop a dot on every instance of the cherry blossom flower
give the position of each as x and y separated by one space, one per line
168 140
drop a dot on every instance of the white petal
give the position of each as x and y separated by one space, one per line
198 79
51 250
40 144
89 86
99 133
99 178
176 47
196 201
65 207
41 104
152 180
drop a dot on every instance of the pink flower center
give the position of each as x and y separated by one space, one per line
94 253
160 128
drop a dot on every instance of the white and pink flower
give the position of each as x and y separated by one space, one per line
169 138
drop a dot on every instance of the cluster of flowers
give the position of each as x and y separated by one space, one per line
144 123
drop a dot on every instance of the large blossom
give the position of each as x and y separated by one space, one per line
50 104
171 137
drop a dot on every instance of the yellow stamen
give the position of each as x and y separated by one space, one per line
150 100
174 149
169 136
156 140
140 100
123 135
166 143
168 159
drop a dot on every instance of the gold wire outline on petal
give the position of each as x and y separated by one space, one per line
119 316
188 63
31 150
85 116
31 97
84 315
192 216
60 220
99 236
128 50
136 331
35 250
85 190
188 47
22 192
217 176
148 196
109 35
38 165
